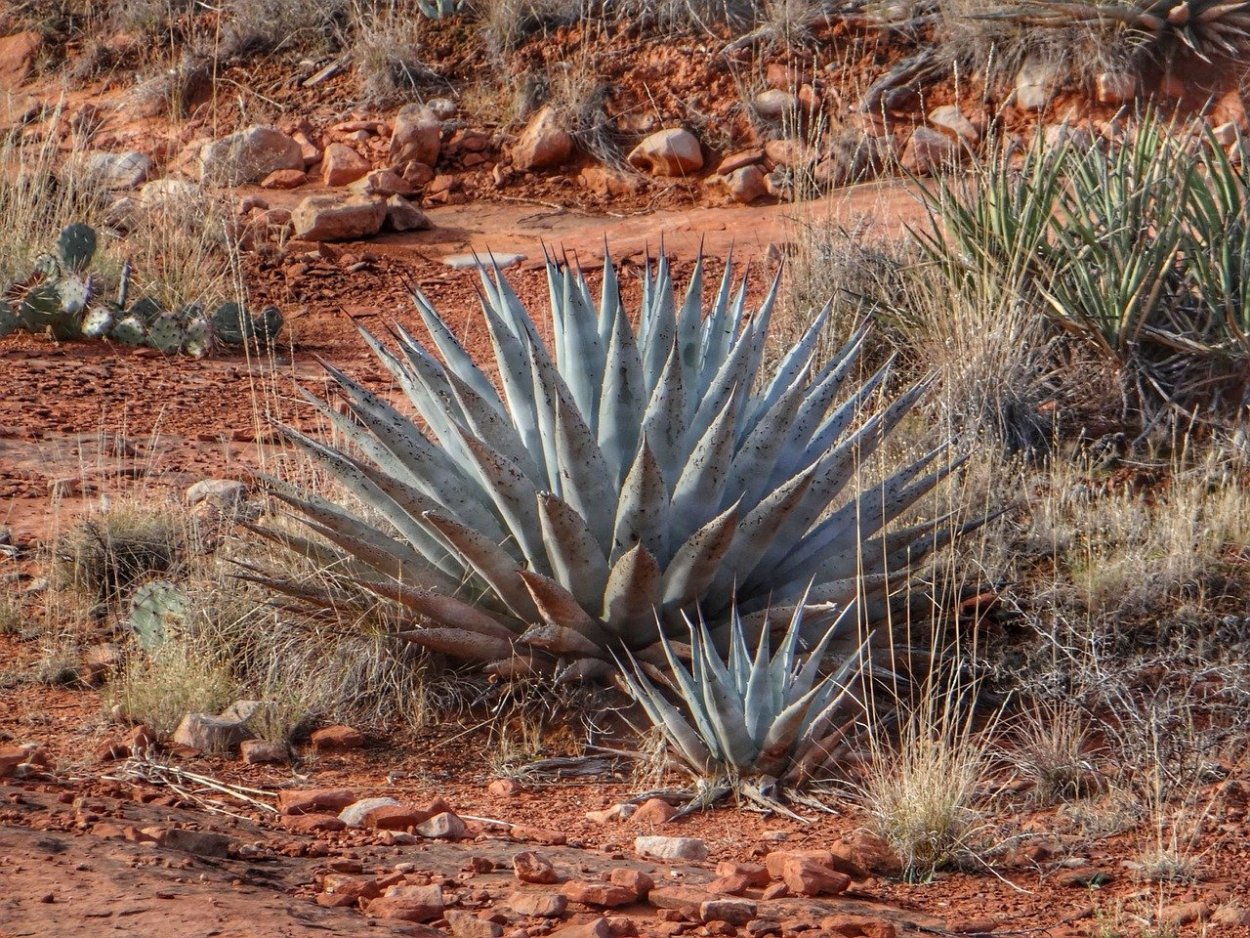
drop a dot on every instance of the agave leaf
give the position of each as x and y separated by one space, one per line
724 705
585 478
460 644
758 702
794 366
663 422
584 352
488 560
457 359
323 555
688 743
756 533
518 385
689 332
631 597
697 495
658 328
515 498
584 669
754 460
574 552
718 332
688 684
622 401
559 640
353 476
643 510
559 607
692 568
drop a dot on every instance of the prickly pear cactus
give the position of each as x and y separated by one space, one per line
9 320
146 311
76 246
96 322
40 307
75 293
268 324
231 325
129 330
158 610
167 335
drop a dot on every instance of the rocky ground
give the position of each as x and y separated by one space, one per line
340 210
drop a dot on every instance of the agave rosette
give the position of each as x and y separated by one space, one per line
615 484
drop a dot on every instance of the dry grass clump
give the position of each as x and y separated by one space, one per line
921 787
182 676
266 26
1052 748
387 49
111 550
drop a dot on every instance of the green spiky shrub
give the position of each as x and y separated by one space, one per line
620 482
758 715
1139 250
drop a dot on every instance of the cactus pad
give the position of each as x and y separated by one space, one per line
76 246
157 611
96 322
167 335
129 330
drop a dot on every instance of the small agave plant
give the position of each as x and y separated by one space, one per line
613 485
758 723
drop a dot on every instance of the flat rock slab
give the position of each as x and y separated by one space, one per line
488 258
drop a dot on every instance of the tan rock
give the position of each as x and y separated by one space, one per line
417 136
672 152
408 904
538 904
327 218
604 895
340 165
531 867
544 144
305 801
249 156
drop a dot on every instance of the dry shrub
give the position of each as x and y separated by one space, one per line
112 550
181 676
386 49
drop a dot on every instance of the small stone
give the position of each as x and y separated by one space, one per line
354 814
775 104
417 136
100 661
249 156
284 179
618 812
327 218
606 895
930 152
223 493
636 881
1185 913
598 928
792 153
395 817
444 826
738 160
383 183
200 843
538 904
1115 87
466 924
949 117
733 911
337 739
685 900
258 751
206 733
305 801
1036 82
747 184
1087 878
489 258
409 904
671 848
350 888
312 823
10 758
653 811
672 152
117 170
417 175
806 876
531 867
505 787
402 215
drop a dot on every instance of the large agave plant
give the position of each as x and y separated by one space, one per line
614 484
766 715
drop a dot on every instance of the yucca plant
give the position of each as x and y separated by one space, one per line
615 484
760 722
1141 249
1202 26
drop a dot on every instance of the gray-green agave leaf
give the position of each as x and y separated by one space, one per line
595 493
766 714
